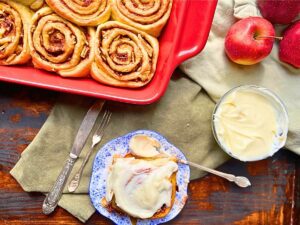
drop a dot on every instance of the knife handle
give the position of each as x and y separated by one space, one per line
54 195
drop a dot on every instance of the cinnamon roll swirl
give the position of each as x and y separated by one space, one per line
146 15
59 46
124 56
82 12
14 26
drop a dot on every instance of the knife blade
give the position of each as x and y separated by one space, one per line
85 128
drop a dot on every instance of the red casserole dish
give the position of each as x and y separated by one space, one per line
184 36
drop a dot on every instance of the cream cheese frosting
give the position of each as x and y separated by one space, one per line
247 125
140 187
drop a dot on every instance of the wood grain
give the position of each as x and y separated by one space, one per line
274 197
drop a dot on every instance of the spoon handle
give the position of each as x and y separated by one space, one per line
240 181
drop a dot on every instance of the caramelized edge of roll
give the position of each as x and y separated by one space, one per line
32 4
25 16
153 29
62 9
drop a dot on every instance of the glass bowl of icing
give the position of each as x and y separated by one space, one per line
250 123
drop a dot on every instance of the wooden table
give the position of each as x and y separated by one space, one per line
274 197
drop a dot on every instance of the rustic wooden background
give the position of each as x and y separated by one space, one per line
273 199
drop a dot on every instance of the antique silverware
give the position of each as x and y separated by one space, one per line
86 126
97 137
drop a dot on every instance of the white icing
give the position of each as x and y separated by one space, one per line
140 187
247 125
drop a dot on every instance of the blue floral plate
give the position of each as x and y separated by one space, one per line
102 162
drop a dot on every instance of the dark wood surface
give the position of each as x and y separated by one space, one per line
273 198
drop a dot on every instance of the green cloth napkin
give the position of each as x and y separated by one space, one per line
183 116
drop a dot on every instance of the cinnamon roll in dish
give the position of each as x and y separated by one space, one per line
14 27
124 56
82 12
146 15
59 46
141 188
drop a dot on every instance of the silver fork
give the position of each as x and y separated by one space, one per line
97 137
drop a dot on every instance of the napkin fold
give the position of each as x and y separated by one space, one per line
183 116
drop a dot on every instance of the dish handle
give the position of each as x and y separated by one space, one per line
191 41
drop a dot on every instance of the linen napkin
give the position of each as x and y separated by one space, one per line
183 116
213 71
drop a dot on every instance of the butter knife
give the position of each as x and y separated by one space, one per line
86 126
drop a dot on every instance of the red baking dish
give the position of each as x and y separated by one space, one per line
184 36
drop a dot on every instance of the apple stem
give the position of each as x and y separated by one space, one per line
274 37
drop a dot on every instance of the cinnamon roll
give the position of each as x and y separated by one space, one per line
82 12
124 56
141 188
59 46
14 26
146 15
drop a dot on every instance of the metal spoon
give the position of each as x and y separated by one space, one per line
147 142
240 181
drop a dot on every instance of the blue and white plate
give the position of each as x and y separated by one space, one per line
103 161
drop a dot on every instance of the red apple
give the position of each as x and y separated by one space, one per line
289 47
279 11
249 40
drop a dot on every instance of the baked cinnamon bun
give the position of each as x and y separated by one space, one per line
124 56
14 27
146 15
59 46
141 188
82 12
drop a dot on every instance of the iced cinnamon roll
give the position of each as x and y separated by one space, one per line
82 12
59 46
140 188
124 56
146 15
14 26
